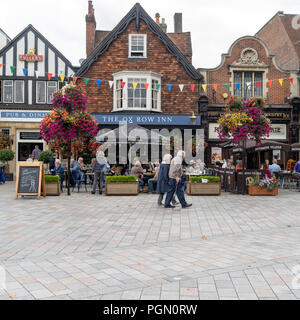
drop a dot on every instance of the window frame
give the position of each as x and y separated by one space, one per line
148 76
12 91
36 95
56 88
254 85
23 91
144 56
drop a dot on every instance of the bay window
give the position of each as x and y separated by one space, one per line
140 91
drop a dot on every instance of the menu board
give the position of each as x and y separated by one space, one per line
29 179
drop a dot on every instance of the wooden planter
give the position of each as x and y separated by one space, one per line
256 191
122 188
203 189
52 188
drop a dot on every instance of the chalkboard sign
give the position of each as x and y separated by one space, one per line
30 177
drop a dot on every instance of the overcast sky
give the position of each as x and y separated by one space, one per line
214 24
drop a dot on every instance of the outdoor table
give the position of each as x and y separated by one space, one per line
285 178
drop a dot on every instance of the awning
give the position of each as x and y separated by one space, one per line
295 147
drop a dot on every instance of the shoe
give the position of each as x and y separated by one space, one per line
187 205
159 204
174 203
169 206
100 192
92 192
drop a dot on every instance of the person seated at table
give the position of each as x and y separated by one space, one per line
59 170
82 167
274 167
239 166
230 164
153 181
266 170
138 171
148 167
297 167
75 168
192 168
52 161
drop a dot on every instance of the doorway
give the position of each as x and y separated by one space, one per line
26 148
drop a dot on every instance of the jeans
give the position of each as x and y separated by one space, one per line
2 177
141 182
96 176
161 197
151 185
178 188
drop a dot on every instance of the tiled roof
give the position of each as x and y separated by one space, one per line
183 42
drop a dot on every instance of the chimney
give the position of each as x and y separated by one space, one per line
178 22
163 25
157 16
90 28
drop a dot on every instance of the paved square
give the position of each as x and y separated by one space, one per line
96 247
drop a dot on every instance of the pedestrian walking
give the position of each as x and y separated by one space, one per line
98 169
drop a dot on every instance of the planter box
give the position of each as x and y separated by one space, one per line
256 191
52 188
122 188
203 189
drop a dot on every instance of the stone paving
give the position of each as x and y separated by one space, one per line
96 247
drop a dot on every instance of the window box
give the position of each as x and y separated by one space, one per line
257 191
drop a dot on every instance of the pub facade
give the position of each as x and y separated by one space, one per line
31 70
247 70
140 73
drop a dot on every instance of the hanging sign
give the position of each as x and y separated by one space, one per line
30 56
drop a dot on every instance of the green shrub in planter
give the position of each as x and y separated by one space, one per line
121 179
50 178
6 155
45 156
208 178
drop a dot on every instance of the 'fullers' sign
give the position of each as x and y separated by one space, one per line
30 56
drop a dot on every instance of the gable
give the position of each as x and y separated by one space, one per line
137 13
50 59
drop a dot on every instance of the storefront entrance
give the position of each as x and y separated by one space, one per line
26 148
27 140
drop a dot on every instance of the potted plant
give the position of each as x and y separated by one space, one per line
204 186
52 185
121 186
5 156
264 187
45 157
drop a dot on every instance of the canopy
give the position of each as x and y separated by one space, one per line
295 147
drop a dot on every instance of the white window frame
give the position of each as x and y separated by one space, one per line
56 85
145 46
15 91
12 95
149 76
36 95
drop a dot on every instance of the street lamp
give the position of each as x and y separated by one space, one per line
193 119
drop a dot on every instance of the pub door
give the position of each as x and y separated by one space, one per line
26 148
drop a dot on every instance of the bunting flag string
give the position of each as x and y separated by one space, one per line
215 85
1 65
259 83
98 82
134 84
170 87
157 86
74 79
36 73
86 81
292 80
49 76
192 87
123 84
204 87
227 86
146 85
280 81
181 86
25 71
62 77
270 83
12 69
110 83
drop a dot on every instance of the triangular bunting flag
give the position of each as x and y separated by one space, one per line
146 85
12 69
62 77
123 84
86 81
134 84
215 86
238 85
170 87
0 65
292 80
259 84
49 76
204 87
193 87
227 86
98 82
36 73
157 86
110 83
280 81
74 80
25 71
270 83
181 86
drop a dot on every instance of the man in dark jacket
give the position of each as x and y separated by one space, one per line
98 169
59 170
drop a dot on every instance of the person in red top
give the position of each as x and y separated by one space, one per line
266 170
239 166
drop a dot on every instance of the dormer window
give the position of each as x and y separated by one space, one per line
137 46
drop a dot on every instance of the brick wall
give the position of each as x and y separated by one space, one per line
274 95
158 60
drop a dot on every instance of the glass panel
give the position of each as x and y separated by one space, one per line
247 84
19 91
41 92
52 87
258 92
7 91
238 79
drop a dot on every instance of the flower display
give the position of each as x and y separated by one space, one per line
270 184
244 120
4 141
75 128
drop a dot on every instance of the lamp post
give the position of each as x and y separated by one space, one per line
68 109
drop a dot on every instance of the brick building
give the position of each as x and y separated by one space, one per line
246 70
137 62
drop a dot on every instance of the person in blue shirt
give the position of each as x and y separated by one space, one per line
2 176
297 167
59 170
274 167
